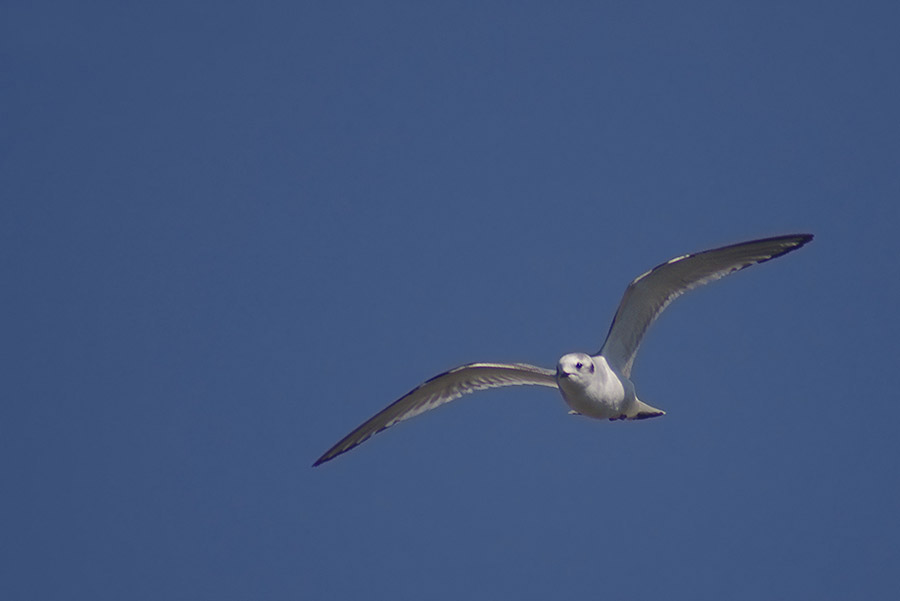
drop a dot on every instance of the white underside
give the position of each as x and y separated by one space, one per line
603 395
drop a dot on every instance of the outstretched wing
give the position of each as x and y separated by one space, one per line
650 293
442 389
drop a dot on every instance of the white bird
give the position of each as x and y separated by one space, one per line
597 386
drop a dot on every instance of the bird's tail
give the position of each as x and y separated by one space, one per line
643 411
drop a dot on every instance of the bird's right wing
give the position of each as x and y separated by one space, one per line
650 293
442 389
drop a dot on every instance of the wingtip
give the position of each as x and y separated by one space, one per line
331 454
322 460
788 243
796 241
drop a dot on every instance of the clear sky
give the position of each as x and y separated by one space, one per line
231 232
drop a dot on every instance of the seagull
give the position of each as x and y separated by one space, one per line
597 386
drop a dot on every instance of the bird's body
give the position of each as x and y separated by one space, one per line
593 389
597 386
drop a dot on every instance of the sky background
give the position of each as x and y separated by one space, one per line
231 232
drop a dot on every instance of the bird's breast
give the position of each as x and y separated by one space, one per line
600 396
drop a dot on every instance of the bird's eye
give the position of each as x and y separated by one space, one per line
579 365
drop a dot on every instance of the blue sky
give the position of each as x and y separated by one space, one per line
232 232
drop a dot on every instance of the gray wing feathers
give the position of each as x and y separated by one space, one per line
442 389
650 293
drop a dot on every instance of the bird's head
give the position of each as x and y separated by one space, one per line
575 367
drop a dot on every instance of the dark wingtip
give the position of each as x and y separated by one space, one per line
791 243
337 451
324 458
799 240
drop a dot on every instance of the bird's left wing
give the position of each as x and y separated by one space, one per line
442 389
650 293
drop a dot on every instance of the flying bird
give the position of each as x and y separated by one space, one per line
597 386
